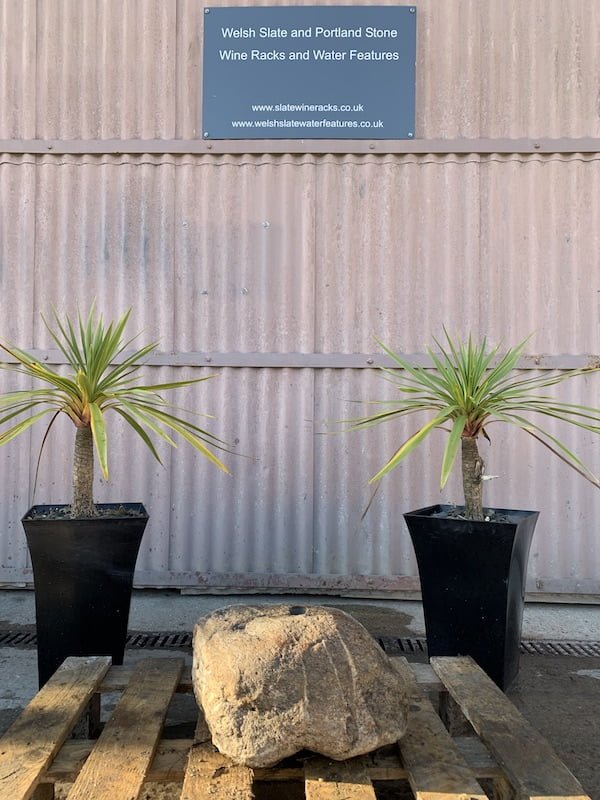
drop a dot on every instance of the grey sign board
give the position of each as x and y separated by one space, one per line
309 72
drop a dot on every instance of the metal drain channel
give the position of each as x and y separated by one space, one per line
559 648
392 645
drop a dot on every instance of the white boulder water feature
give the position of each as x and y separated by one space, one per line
273 680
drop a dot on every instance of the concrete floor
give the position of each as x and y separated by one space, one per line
168 610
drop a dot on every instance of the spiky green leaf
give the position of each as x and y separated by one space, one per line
471 386
103 374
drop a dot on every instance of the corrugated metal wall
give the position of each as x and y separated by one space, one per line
276 270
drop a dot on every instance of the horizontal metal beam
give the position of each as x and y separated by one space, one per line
506 146
322 360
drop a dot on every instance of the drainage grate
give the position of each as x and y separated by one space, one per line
164 640
167 641
392 645
17 638
558 648
401 646
395 646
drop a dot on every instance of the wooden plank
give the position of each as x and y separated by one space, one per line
31 742
217 778
171 757
118 678
122 755
530 763
337 780
436 769
209 774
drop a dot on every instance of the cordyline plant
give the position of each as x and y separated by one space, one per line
466 388
102 377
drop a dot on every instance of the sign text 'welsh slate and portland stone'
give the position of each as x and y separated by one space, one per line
309 72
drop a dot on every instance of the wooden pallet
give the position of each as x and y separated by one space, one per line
503 753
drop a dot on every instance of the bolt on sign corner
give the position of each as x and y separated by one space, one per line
309 72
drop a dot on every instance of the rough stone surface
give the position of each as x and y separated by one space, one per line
278 679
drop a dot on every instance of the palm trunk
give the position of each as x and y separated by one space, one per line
472 472
83 474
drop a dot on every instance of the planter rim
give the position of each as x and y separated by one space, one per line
442 508
138 512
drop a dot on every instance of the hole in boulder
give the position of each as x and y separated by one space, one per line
296 611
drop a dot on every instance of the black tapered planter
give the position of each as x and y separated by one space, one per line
473 585
83 577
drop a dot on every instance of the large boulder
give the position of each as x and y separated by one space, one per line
273 680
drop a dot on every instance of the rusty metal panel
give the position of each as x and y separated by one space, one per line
497 247
189 69
15 475
358 532
17 244
214 240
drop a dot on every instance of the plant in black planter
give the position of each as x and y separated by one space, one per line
472 560
84 554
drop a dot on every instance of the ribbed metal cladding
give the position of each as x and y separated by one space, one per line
394 233
83 69
244 252
517 236
301 254
17 221
18 23
538 67
259 519
540 251
104 230
353 248
105 70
